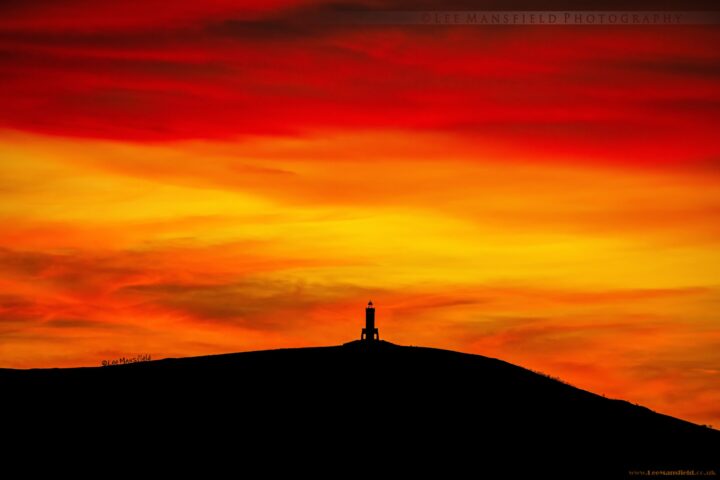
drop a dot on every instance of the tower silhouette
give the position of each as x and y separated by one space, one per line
370 333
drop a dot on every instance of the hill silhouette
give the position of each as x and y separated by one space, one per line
410 409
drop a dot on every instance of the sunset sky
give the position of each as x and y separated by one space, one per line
187 178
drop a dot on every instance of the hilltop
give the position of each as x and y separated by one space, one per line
412 407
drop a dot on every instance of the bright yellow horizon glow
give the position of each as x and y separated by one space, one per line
603 275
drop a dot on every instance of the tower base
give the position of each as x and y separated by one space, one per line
369 336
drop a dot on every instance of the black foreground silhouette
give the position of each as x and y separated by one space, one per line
363 404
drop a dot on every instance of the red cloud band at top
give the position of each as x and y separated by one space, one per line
135 71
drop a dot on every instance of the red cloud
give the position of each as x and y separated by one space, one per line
616 94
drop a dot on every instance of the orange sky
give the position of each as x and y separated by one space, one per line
195 179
